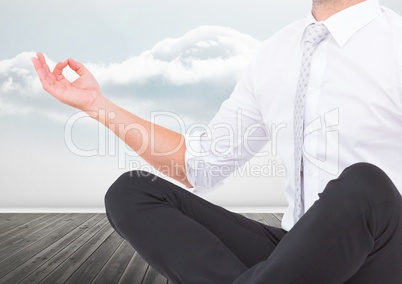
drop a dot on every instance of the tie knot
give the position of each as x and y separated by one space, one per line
315 33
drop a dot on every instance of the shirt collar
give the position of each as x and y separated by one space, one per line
344 24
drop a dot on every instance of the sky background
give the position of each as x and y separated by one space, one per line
148 56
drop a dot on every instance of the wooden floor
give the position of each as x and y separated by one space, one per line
74 248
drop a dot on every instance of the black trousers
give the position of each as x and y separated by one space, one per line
352 234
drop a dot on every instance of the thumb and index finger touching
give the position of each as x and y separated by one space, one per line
43 70
78 67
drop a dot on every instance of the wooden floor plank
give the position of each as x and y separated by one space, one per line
271 220
153 277
135 270
75 248
19 243
10 221
6 218
278 215
256 217
25 270
28 228
62 256
34 243
113 270
88 271
20 227
68 267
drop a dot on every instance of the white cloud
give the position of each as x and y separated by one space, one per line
206 54
197 70
16 76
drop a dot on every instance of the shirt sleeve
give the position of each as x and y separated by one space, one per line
234 135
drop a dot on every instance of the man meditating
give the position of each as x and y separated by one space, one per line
339 71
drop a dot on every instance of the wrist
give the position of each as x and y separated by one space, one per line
101 105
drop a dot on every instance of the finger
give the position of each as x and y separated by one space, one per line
42 74
42 60
36 63
58 69
46 78
79 68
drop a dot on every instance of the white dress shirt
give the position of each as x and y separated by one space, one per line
353 109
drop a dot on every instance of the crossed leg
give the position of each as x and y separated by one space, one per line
351 234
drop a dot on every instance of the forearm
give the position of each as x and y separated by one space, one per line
162 148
